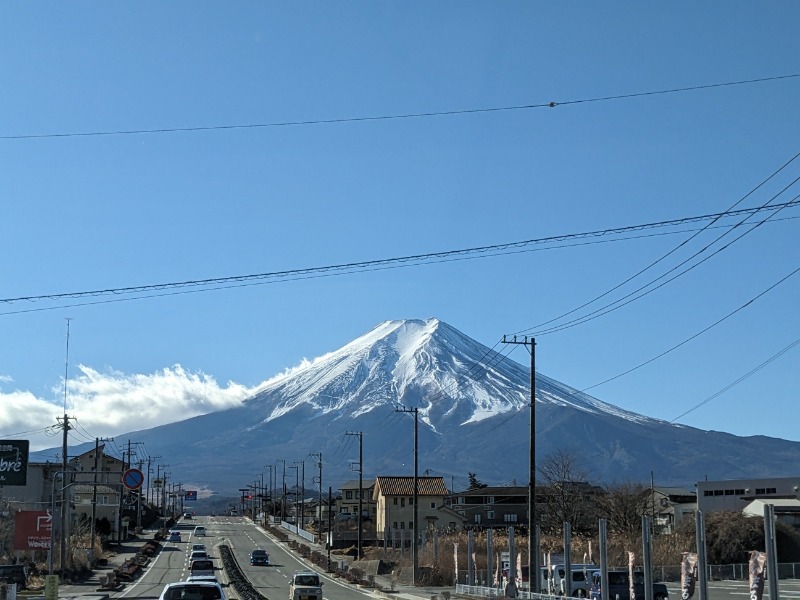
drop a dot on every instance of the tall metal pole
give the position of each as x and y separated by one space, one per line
533 540
415 533
360 434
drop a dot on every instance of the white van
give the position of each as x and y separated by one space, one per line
555 581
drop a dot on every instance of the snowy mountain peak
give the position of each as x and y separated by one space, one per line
451 378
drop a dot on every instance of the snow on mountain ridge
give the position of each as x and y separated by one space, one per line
427 363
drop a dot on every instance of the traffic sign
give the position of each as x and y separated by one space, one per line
133 479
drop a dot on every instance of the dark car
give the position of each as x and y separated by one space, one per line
259 557
619 586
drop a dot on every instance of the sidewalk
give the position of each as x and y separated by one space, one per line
401 591
115 557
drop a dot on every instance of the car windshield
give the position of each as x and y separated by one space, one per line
194 592
259 552
307 580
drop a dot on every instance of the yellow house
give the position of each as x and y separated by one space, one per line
394 499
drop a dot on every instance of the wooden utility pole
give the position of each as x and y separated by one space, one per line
415 533
533 539
360 434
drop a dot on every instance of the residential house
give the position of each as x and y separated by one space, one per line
348 501
670 506
394 499
493 507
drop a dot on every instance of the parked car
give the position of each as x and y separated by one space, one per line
192 590
174 536
14 574
555 582
200 531
259 557
305 585
619 586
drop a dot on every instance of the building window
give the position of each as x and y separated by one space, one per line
460 500
477 519
771 491
394 525
489 499
708 493
719 492
411 524
729 492
348 495
402 524
740 492
402 501
395 501
433 504
761 490
411 501
510 518
104 500
489 515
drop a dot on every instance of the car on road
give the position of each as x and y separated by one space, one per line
619 586
192 590
198 554
211 578
259 557
305 585
201 566
198 547
200 531
187 515
174 536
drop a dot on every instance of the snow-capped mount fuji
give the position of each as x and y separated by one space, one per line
452 379
474 415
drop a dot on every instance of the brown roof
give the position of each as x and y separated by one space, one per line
404 486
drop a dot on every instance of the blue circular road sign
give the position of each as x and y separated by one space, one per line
133 479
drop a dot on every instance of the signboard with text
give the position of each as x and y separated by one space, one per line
32 529
191 496
13 462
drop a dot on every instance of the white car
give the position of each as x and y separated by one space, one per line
192 590
200 531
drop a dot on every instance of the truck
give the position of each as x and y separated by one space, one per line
619 586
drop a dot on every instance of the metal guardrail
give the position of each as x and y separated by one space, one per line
295 529
493 592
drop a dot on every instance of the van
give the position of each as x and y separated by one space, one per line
619 586
14 574
555 582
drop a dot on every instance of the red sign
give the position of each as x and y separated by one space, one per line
32 530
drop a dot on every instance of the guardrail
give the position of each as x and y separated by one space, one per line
493 592
297 531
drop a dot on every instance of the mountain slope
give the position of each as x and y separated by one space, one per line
474 417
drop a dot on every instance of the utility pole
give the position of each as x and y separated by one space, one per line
360 434
302 494
533 539
66 428
283 492
415 533
318 456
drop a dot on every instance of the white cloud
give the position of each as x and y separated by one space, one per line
6 379
109 403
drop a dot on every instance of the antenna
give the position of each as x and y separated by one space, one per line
66 367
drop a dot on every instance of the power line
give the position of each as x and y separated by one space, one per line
410 259
417 115
665 256
739 380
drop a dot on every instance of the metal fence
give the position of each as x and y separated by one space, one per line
297 531
493 592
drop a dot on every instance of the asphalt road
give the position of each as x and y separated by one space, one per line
172 563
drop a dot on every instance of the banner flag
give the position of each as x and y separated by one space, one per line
688 575
758 563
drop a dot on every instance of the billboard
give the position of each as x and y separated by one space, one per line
190 496
32 529
13 462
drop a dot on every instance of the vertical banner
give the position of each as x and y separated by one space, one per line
519 566
688 575
758 561
631 558
13 462
498 581
455 560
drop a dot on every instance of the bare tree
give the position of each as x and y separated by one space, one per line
564 494
622 505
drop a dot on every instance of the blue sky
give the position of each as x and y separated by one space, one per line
88 212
